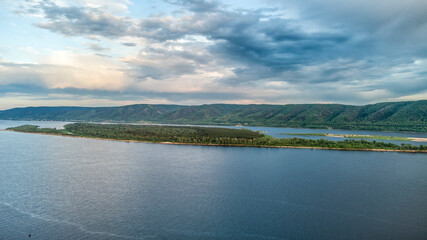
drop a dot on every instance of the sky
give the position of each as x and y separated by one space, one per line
193 52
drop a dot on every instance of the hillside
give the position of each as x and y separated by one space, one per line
395 116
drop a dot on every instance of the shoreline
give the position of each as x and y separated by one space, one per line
229 145
372 137
415 139
362 137
208 124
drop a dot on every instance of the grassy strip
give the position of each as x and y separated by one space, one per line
36 129
375 137
306 134
378 137
208 136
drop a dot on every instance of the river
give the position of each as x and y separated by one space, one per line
55 187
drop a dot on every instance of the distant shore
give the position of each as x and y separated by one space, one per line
229 145
359 136
386 116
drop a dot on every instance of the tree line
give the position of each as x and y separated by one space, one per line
206 135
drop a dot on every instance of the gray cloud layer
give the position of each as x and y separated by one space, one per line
351 51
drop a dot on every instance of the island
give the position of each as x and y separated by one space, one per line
211 136
359 136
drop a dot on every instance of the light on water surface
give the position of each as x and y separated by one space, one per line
74 188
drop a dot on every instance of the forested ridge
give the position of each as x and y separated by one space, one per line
391 116
206 136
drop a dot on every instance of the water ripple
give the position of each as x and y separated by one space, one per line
76 225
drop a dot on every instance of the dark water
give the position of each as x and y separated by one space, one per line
73 188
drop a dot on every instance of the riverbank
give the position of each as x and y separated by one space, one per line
359 136
418 139
227 145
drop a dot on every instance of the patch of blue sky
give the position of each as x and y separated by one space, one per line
147 8
25 43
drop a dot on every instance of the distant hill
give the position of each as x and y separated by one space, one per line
392 116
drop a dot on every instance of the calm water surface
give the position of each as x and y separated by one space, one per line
74 188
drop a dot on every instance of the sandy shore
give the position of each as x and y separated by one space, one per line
233 145
361 136
418 139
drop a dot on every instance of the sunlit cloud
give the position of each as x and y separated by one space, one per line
207 51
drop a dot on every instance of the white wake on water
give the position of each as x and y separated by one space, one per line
76 225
